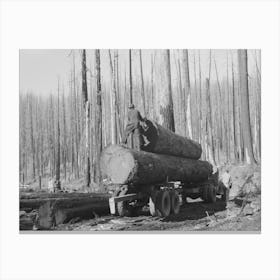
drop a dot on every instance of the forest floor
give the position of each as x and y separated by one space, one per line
242 212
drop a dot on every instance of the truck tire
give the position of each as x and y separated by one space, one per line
164 203
175 202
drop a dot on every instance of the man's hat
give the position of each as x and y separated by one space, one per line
131 106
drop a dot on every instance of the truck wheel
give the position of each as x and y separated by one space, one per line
123 207
175 203
164 203
211 196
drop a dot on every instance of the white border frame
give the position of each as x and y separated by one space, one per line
155 24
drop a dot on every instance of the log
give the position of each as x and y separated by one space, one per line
55 211
163 141
121 165
33 200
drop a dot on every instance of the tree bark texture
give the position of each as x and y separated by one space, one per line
187 92
158 139
245 110
58 208
164 100
54 212
98 135
87 124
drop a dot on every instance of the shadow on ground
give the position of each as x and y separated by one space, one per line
196 210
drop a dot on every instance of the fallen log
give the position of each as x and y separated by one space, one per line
33 200
163 141
55 211
126 166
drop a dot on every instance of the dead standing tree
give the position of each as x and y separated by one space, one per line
32 142
142 84
76 120
113 102
245 110
87 121
57 173
210 151
187 92
130 140
164 104
98 135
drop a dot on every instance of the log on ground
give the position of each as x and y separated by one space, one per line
61 210
126 166
163 141
33 200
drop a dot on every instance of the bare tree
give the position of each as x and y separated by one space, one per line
113 102
57 174
130 79
245 110
187 91
142 84
165 111
98 136
32 141
76 119
209 124
87 121
64 137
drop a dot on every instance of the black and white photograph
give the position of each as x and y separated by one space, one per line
161 140
139 139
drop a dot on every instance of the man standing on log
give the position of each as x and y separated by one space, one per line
134 127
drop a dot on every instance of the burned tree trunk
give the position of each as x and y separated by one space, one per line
245 110
130 79
142 84
32 136
164 100
57 174
124 166
187 92
98 139
113 101
87 124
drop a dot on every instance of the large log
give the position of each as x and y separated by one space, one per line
58 208
163 141
33 200
54 212
125 166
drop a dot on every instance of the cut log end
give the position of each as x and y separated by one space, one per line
125 162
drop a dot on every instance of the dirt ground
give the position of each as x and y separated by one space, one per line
241 213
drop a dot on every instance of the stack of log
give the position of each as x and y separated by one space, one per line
165 156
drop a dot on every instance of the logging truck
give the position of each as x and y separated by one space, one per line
162 175
161 181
